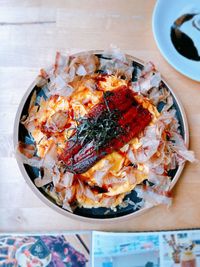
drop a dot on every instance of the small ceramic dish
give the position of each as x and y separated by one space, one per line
176 29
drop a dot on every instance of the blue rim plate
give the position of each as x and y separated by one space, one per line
95 214
164 15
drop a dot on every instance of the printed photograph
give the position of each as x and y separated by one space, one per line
127 250
68 250
180 249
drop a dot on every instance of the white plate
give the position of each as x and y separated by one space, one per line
164 15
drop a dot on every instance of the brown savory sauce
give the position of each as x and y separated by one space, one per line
182 42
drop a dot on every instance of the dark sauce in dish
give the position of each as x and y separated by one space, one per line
182 42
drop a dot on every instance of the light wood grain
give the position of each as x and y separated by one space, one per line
30 34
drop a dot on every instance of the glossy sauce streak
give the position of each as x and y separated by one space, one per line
182 42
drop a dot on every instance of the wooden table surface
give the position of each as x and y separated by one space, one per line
30 34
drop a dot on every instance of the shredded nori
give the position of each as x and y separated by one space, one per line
99 129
